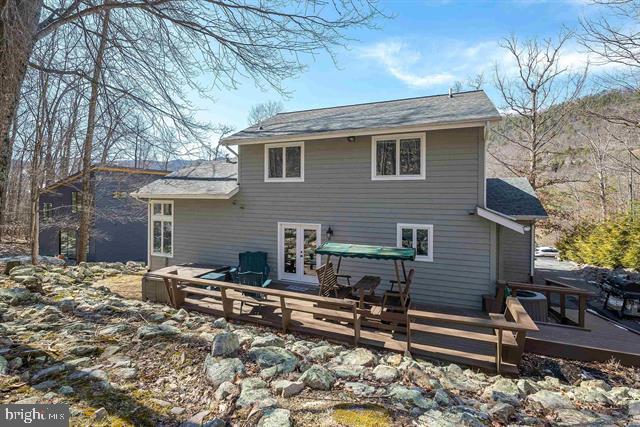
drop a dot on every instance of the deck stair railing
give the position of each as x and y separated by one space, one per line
506 332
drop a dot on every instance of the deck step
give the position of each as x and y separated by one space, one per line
508 338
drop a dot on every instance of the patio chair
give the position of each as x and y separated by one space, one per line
329 285
252 270
398 301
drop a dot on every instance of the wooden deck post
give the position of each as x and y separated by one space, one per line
178 295
581 310
286 314
227 305
167 285
499 351
563 308
357 322
408 328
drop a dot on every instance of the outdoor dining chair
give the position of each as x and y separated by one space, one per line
399 300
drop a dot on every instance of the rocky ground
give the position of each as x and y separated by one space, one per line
116 361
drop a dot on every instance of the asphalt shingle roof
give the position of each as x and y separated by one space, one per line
427 110
513 197
206 179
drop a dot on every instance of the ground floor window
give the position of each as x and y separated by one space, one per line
162 228
47 210
419 237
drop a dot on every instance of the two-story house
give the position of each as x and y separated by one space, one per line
407 172
119 223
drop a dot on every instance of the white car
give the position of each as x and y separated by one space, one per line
547 251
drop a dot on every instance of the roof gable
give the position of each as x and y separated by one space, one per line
513 197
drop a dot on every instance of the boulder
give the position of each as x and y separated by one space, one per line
503 390
359 357
385 374
4 366
595 384
151 331
269 340
267 357
502 412
453 417
549 400
322 353
275 417
224 344
634 408
218 371
252 390
359 389
286 388
225 390
318 377
347 372
410 396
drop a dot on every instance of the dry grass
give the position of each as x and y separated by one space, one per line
127 286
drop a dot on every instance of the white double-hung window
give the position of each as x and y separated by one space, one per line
162 228
398 157
284 162
419 237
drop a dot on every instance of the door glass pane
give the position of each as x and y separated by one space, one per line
68 244
293 162
275 162
310 244
157 209
422 241
386 157
410 156
167 209
166 237
407 237
290 240
157 236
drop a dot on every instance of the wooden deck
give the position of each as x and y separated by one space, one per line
493 343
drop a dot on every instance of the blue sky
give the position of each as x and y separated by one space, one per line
421 50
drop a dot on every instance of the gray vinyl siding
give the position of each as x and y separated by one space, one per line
516 255
338 192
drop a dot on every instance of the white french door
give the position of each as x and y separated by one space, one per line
297 260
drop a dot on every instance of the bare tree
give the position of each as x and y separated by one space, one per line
259 112
539 101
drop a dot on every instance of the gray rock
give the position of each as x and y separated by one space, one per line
347 372
215 422
218 371
322 353
595 384
318 377
225 390
66 390
286 388
359 356
177 410
112 330
269 340
84 350
275 417
220 323
29 400
46 385
267 357
15 363
224 344
252 390
4 366
441 397
49 372
359 389
196 420
454 369
503 390
526 387
549 400
152 331
574 417
591 395
385 374
502 412
450 418
411 396
634 408
126 373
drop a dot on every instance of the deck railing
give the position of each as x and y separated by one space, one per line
564 291
506 331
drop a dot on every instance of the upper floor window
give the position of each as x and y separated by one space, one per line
162 228
419 237
398 156
75 202
47 211
284 162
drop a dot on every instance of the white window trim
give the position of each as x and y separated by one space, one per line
397 137
414 227
284 162
161 217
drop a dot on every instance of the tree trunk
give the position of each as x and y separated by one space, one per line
18 26
6 153
87 187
